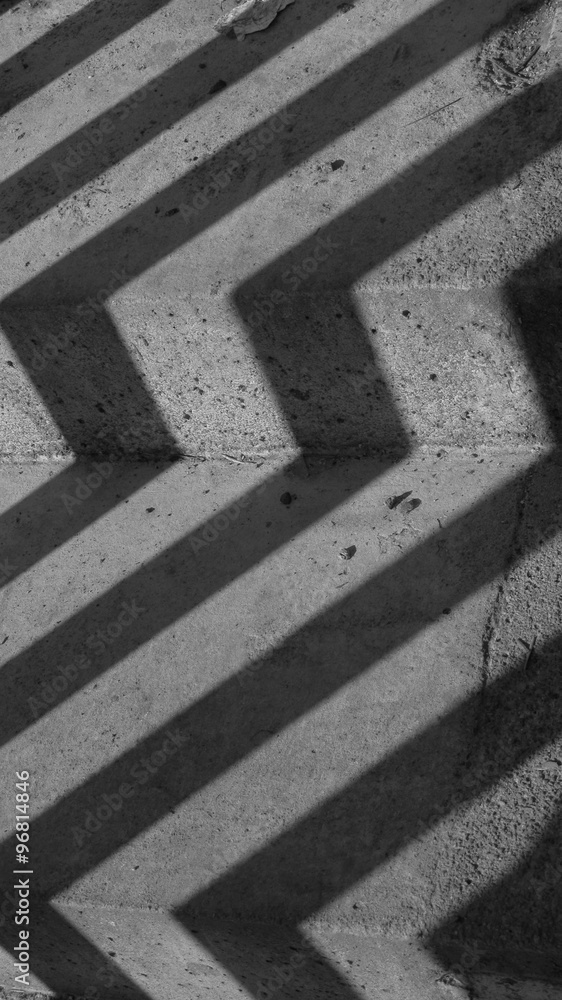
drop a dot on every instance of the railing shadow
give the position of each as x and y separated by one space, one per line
451 178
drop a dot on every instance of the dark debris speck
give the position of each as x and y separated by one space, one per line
218 86
348 552
411 505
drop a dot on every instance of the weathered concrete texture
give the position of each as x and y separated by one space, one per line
336 239
465 193
373 373
508 849
323 710
169 962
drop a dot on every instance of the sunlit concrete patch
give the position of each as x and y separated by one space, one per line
554 42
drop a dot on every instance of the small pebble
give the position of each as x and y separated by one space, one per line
411 505
393 502
349 552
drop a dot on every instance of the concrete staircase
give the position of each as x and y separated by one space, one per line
280 533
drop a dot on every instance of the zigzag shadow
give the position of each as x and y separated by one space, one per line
507 926
510 921
334 847
480 164
45 830
222 727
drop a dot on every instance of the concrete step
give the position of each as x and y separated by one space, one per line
375 373
290 704
229 960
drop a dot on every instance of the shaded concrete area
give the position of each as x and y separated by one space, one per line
281 502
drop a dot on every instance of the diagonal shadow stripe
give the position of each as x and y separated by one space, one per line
236 551
474 161
513 156
66 44
52 387
352 817
348 97
61 949
6 6
292 952
38 524
347 836
91 386
52 54
378 815
59 410
361 833
226 726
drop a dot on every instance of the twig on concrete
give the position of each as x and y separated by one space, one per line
430 113
530 650
229 458
530 653
528 59
505 66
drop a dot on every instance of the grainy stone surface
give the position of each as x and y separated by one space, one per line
321 265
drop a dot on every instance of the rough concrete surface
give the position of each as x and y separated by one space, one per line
280 528
442 368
